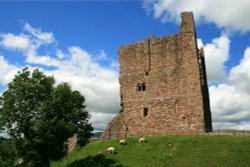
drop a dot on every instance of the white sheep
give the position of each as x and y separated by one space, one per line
142 140
123 142
111 150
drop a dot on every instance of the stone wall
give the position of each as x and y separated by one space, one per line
163 86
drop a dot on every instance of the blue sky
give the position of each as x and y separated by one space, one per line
77 42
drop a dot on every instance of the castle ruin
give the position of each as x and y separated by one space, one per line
163 86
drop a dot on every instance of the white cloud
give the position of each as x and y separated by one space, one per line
60 54
7 71
230 101
228 125
38 39
240 74
216 54
41 37
227 14
97 83
200 43
228 104
101 120
44 60
19 42
29 43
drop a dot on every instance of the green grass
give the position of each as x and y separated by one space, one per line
164 151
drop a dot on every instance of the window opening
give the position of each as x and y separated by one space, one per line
139 87
145 112
143 86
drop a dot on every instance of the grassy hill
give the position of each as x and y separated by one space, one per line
164 151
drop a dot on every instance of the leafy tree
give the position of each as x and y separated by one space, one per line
40 117
7 153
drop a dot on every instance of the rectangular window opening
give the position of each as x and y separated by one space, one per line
145 112
143 87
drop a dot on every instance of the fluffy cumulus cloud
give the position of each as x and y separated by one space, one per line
240 74
230 96
100 85
43 60
216 54
19 42
7 71
229 104
227 14
230 101
28 42
81 69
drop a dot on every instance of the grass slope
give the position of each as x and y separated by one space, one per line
164 151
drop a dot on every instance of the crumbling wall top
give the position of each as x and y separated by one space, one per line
187 23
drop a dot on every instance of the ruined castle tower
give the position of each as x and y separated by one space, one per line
163 86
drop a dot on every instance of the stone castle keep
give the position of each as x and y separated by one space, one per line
163 86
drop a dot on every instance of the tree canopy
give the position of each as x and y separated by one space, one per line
40 116
7 153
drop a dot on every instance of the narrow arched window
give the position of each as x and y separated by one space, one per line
143 86
145 112
139 87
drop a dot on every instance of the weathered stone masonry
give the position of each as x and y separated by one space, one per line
163 86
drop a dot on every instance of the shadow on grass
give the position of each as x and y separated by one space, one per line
95 161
